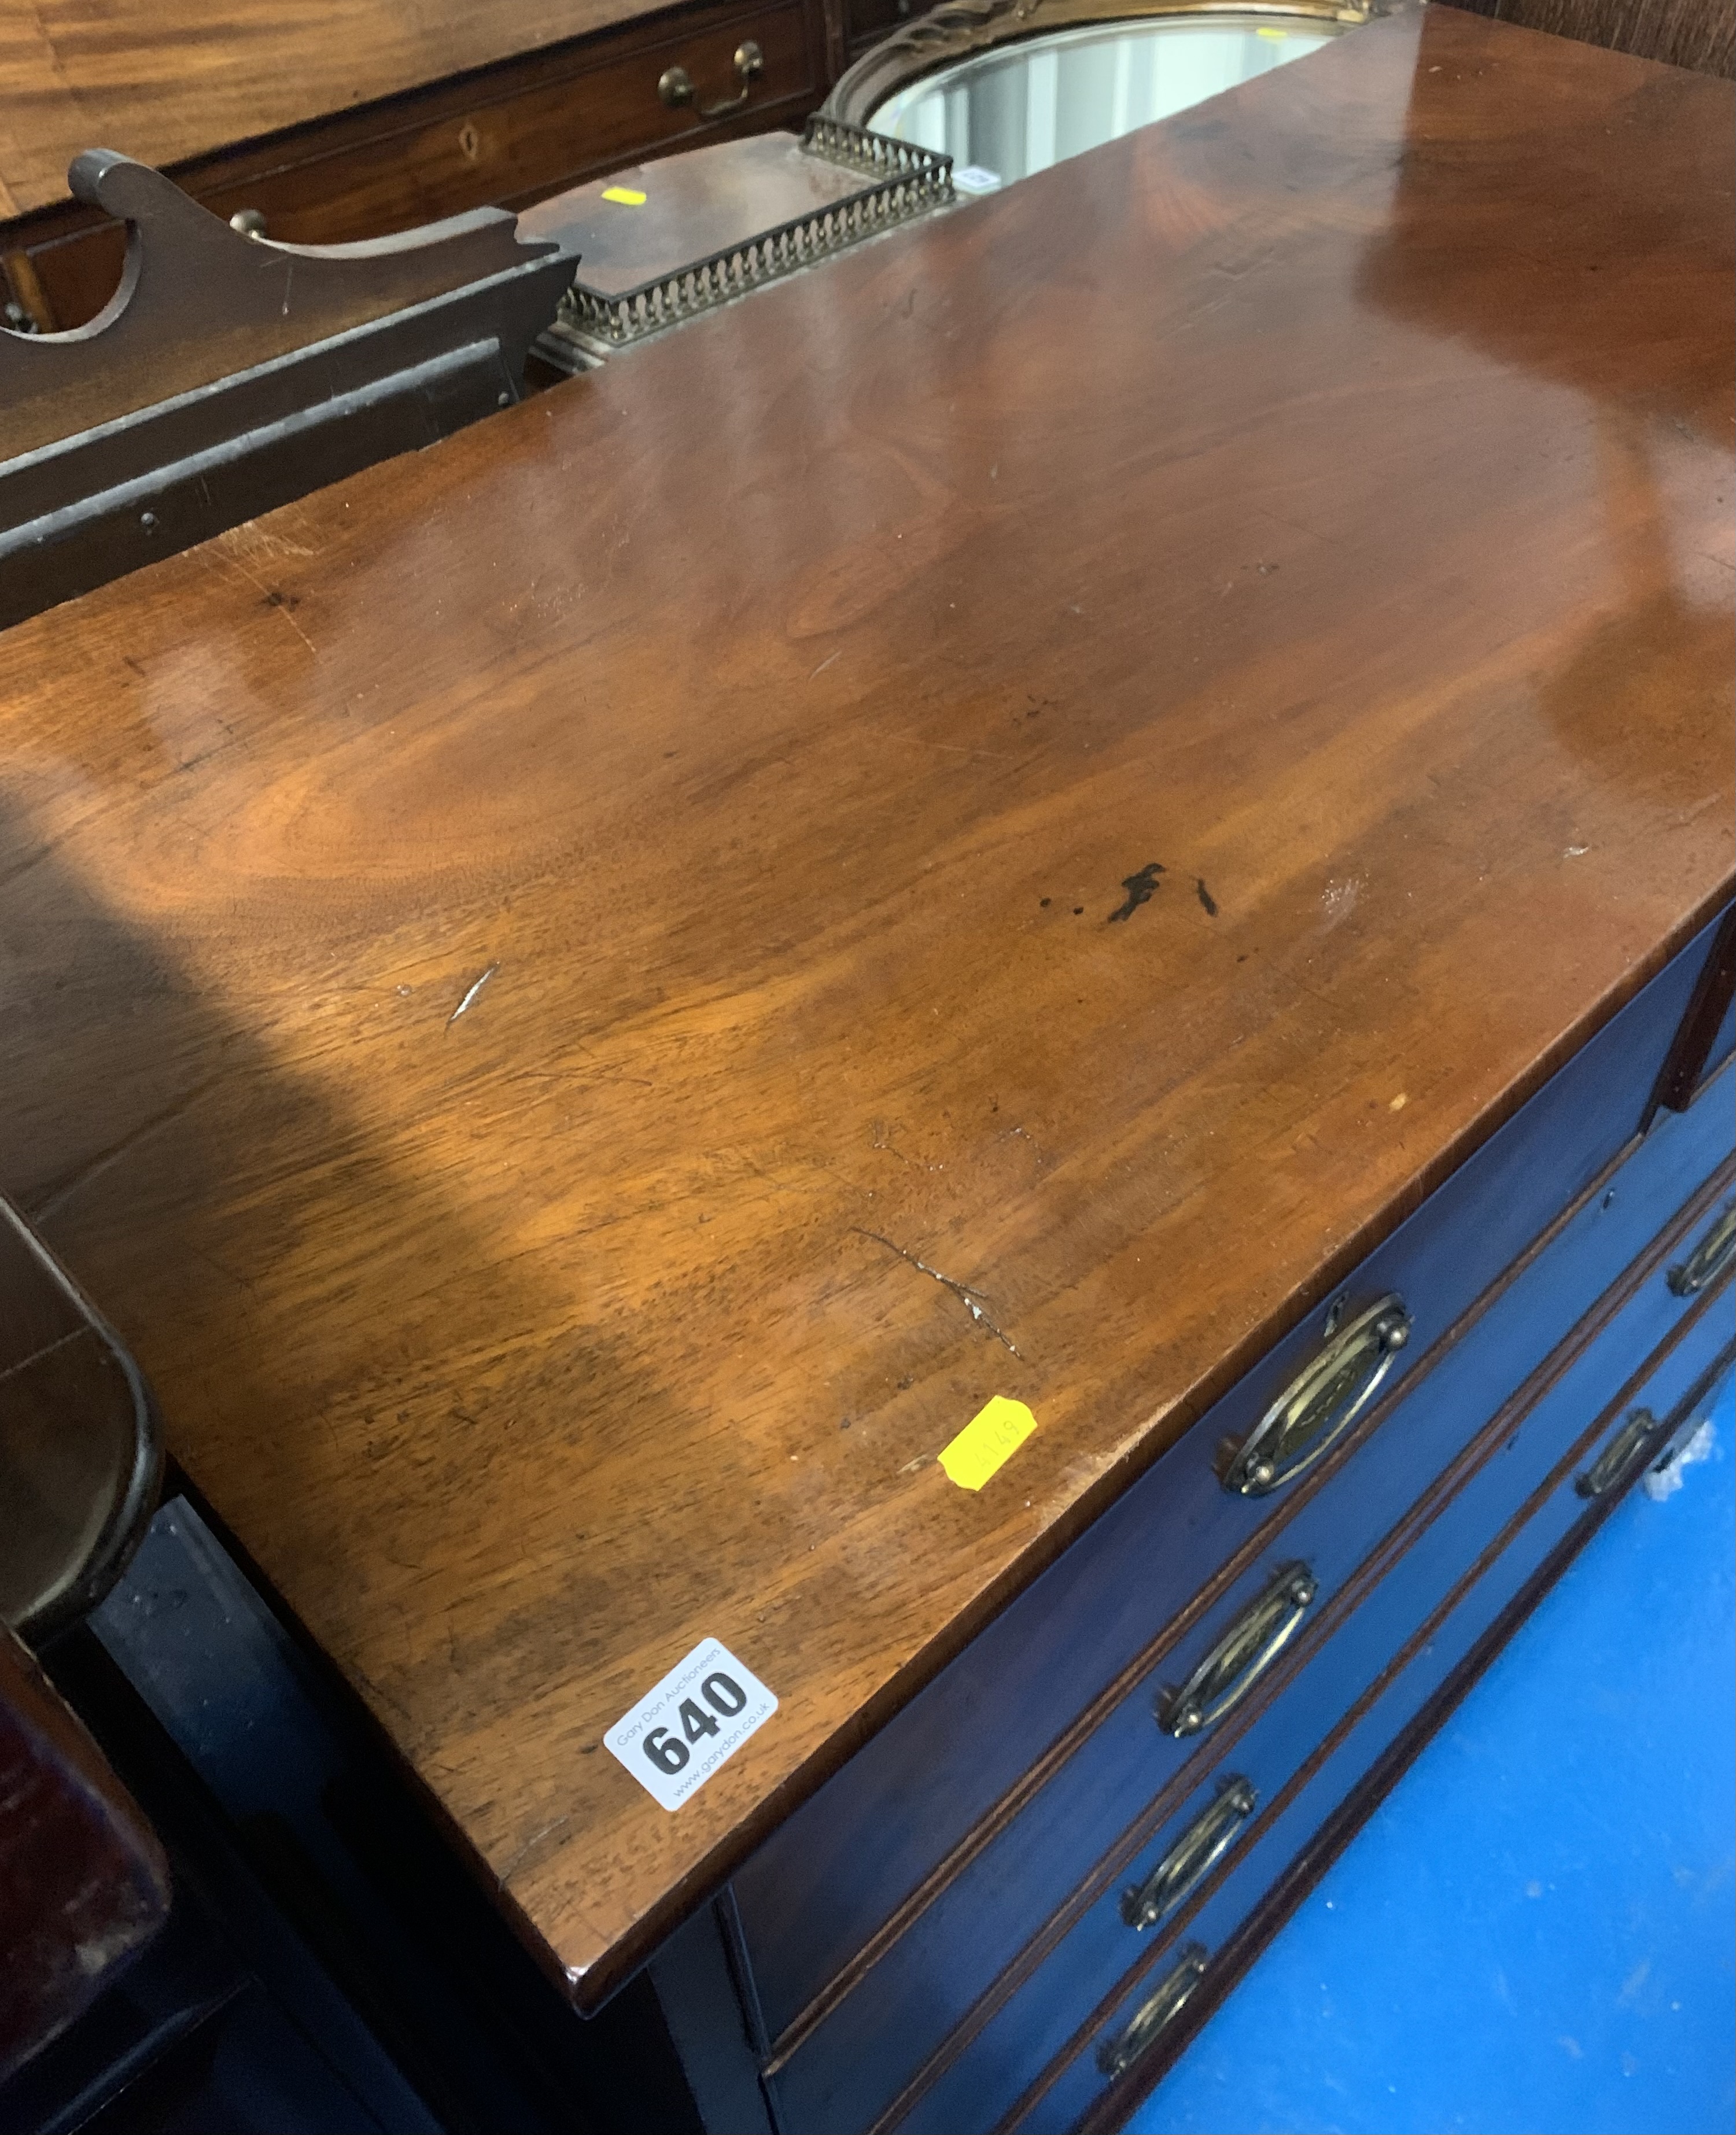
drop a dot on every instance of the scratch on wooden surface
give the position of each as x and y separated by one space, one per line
947 747
517 1859
973 1301
825 663
274 598
891 1149
470 993
64 1191
35 1356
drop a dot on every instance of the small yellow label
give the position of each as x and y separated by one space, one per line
992 1435
623 196
1259 33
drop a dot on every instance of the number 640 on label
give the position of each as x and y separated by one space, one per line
698 1714
727 1700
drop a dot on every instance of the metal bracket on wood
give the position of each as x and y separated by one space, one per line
230 374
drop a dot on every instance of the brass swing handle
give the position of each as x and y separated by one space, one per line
1321 1401
1192 1857
1241 1656
1626 1454
1708 1259
1156 2014
675 84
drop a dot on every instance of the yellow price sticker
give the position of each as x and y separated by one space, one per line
623 196
992 1435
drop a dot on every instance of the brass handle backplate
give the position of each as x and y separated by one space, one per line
1321 1401
1710 1258
1192 1857
1154 2014
676 85
1241 1656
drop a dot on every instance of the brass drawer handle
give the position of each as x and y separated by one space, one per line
1241 1656
675 84
1118 2055
1710 1258
1623 1458
1192 1857
1321 1401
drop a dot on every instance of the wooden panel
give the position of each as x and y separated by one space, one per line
164 79
867 21
1702 1040
755 739
852 1867
1687 33
505 138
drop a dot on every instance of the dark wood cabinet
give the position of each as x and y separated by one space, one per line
867 21
503 135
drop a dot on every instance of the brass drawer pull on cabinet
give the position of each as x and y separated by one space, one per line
1240 1658
1192 1857
1626 1453
675 84
1708 1259
1119 2054
1322 1403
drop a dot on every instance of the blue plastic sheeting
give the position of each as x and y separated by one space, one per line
1534 1935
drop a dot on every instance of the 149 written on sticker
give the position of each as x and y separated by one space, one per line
700 1713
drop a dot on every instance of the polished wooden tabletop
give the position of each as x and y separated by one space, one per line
983 821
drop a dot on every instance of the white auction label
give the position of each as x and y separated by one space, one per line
700 1713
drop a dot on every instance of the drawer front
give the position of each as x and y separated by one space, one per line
561 130
1232 1912
508 135
850 1869
1120 1790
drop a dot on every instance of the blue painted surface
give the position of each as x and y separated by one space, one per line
1535 1934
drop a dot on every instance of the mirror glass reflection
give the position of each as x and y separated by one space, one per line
1007 112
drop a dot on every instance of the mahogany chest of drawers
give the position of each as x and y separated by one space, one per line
1115 810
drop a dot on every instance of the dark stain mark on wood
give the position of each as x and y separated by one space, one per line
1140 888
1205 897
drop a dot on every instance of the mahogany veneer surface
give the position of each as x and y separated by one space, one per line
1323 496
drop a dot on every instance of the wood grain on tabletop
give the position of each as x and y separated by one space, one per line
161 79
1316 508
